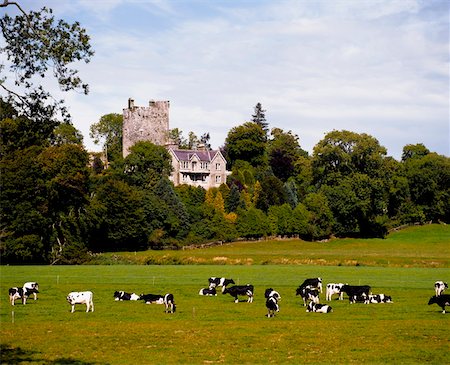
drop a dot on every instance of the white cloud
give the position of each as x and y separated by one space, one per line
380 67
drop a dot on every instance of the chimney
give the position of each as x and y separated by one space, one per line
130 103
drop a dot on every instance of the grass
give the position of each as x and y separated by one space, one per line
215 329
209 330
419 246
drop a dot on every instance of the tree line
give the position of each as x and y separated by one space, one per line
57 207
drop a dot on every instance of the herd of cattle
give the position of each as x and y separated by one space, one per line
309 291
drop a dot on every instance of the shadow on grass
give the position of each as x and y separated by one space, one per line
16 355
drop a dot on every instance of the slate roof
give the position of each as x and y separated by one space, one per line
187 155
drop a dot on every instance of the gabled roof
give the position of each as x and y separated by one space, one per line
188 155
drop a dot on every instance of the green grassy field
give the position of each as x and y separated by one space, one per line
419 246
208 330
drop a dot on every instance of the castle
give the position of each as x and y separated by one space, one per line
200 167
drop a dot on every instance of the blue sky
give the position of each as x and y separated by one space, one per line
379 67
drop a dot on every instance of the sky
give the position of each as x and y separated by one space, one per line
379 67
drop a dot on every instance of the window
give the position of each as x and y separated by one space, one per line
194 165
218 179
184 164
204 165
218 166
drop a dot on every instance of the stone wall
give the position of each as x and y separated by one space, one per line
145 124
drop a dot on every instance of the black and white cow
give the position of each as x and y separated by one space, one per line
272 293
169 303
167 300
216 282
152 298
334 288
82 297
439 287
208 291
121 295
308 294
237 290
31 287
442 301
16 293
272 298
313 283
380 298
319 308
357 292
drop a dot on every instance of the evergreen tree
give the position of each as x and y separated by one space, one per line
259 117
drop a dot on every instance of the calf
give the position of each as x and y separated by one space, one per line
121 295
31 287
17 293
332 289
439 287
237 290
208 291
308 294
272 298
152 298
441 300
82 297
313 283
216 282
319 308
169 303
356 292
380 298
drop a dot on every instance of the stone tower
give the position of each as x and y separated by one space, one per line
145 124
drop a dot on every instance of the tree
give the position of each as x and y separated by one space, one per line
37 45
341 153
259 117
66 133
411 151
283 151
246 142
109 129
147 163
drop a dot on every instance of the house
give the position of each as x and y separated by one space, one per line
205 168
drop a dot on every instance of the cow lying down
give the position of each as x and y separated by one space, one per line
319 308
167 300
380 298
82 297
121 295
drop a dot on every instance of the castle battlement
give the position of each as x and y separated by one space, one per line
149 123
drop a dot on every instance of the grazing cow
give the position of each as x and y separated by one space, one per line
31 287
216 282
441 300
308 294
121 295
208 291
313 283
152 298
169 303
17 293
272 298
356 292
319 308
380 298
236 290
439 287
82 297
332 289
